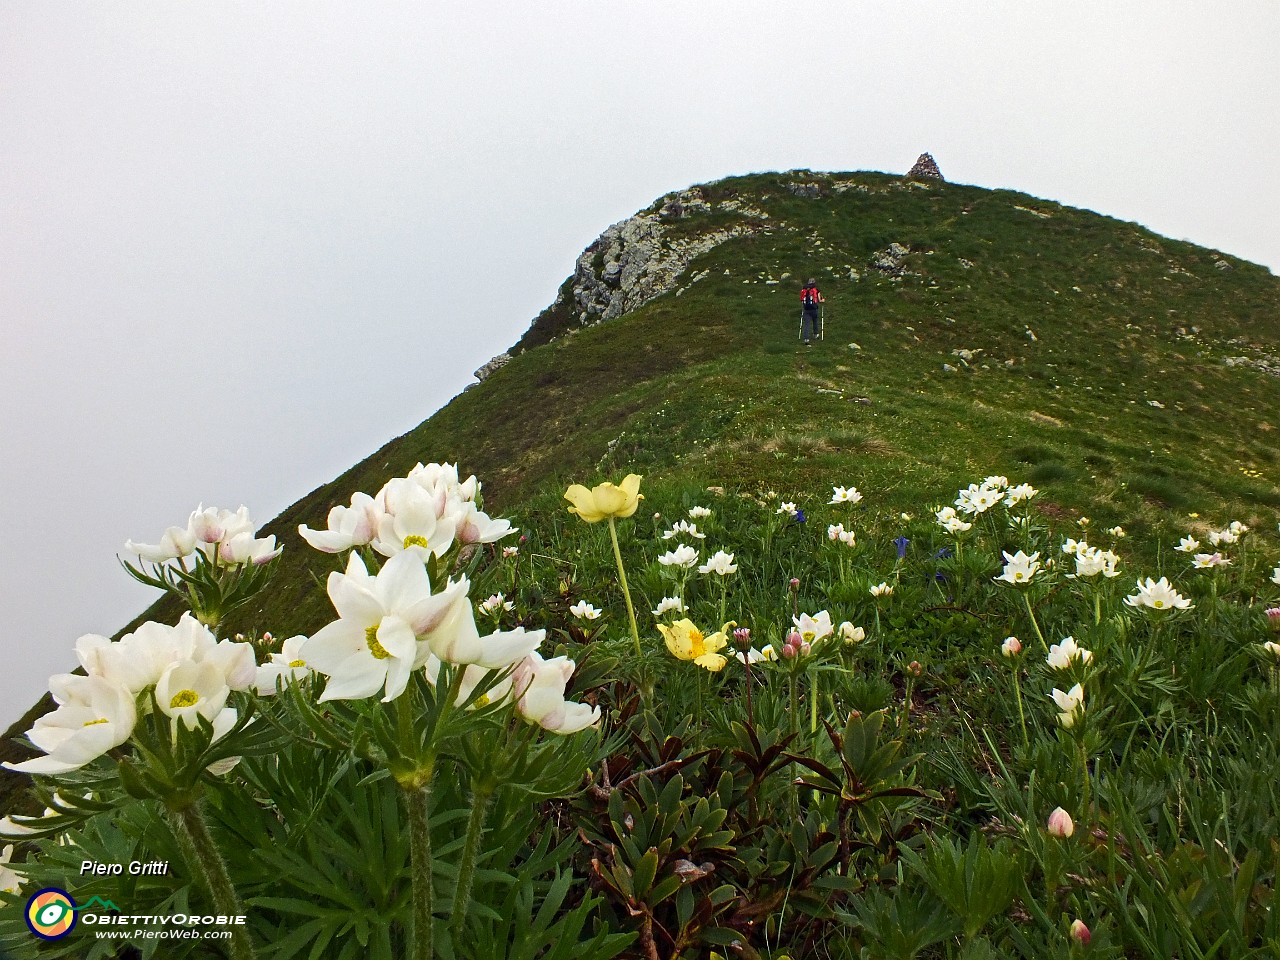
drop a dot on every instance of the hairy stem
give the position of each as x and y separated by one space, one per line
622 578
418 800
467 867
206 861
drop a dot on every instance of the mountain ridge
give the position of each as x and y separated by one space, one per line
967 328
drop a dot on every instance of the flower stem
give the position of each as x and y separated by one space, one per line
813 707
626 593
205 860
1035 626
467 867
418 800
1022 717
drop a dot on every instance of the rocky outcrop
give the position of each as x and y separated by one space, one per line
925 169
497 363
641 258
890 261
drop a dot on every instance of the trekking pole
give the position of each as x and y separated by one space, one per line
800 332
822 323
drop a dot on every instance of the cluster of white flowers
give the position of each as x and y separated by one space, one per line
950 521
430 507
222 536
496 605
836 531
684 528
189 672
683 556
699 513
1090 561
1070 705
882 589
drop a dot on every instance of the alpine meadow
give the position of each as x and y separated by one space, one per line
953 634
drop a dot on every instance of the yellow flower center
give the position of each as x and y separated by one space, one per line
1158 604
483 701
808 636
184 698
378 650
415 541
90 723
303 663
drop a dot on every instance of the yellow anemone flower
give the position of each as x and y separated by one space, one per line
606 499
687 642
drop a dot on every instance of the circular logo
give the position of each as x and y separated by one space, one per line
51 913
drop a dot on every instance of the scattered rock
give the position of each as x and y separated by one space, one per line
889 261
1222 265
925 169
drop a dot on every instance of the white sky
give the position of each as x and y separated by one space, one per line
244 244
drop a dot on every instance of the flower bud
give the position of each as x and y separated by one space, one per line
795 583
805 649
1080 933
788 651
1273 618
794 639
914 668
1060 823
742 638
1011 647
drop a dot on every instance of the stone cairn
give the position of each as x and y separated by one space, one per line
925 169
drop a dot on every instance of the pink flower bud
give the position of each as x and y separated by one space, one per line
1011 647
267 637
1080 933
1060 823
914 668
742 634
788 651
794 638
795 583
1273 618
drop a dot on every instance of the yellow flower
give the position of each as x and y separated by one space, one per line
606 499
687 642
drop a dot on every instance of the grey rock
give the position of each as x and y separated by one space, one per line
497 363
925 169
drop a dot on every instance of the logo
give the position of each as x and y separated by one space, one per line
51 913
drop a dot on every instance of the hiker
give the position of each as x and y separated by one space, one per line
811 312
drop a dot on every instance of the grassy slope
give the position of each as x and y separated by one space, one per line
711 385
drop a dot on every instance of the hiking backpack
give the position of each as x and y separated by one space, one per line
809 296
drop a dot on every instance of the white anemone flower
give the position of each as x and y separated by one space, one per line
1070 705
1158 595
476 526
190 689
374 643
849 538
669 604
1063 655
1207 561
765 653
721 563
1188 545
1218 538
1091 561
1275 576
845 495
353 526
245 548
176 542
138 659
496 604
585 611
1019 569
699 513
882 590
788 508
996 483
212 526
285 667
682 556
413 517
834 531
539 687
814 628
94 715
